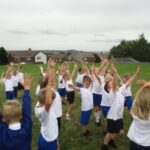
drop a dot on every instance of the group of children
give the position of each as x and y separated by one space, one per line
101 89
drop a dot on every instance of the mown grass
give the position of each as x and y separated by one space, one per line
70 137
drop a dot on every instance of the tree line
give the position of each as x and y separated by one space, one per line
138 49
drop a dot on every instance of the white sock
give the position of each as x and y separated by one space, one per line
97 116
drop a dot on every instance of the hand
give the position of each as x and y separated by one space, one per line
75 66
27 81
138 70
71 86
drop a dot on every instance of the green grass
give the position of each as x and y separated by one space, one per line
70 137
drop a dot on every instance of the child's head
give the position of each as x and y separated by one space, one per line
8 75
42 96
86 81
12 111
126 77
141 106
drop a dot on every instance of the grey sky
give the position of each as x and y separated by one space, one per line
71 24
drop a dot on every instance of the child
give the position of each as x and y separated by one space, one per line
70 92
139 131
49 127
15 123
86 103
8 86
128 95
20 76
115 114
15 83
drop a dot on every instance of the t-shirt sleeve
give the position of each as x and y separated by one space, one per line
122 90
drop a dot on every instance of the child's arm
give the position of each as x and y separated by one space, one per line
74 70
132 78
26 103
41 69
48 100
74 87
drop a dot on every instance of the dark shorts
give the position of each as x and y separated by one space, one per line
134 146
20 87
97 99
16 91
128 102
62 92
105 110
10 95
70 97
44 145
114 126
85 117
80 85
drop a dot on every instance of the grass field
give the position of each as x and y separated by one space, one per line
70 137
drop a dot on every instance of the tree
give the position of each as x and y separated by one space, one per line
3 56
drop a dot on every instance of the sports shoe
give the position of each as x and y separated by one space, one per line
68 117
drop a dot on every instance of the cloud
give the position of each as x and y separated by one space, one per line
52 32
105 40
19 32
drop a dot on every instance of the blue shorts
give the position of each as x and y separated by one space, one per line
97 99
128 102
44 145
105 110
80 85
10 95
62 92
85 117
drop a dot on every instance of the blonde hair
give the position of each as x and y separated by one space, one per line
141 106
12 111
42 96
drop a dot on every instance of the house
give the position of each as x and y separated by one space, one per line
22 56
41 57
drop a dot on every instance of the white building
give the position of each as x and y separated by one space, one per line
41 58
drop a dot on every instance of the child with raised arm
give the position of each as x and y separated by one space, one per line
44 112
115 114
16 123
139 131
70 92
86 103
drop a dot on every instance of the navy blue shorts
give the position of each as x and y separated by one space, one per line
134 146
10 95
62 92
97 99
105 110
128 102
80 85
44 145
85 117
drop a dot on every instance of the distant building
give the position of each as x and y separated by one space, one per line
22 56
41 57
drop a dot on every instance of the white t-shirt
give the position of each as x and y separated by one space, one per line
117 107
37 90
49 125
8 84
20 76
128 91
107 98
61 82
79 78
86 99
57 105
67 85
96 86
14 80
139 131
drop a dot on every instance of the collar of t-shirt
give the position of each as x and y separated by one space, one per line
15 126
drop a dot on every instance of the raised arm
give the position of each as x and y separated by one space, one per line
74 87
132 78
74 70
26 102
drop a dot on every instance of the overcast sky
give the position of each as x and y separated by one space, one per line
71 24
